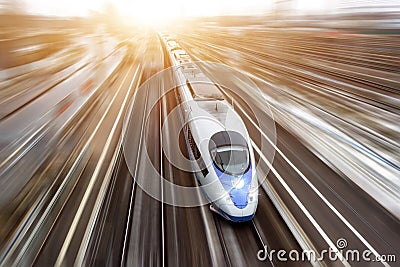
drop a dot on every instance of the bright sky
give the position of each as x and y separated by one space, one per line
164 8
151 10
158 10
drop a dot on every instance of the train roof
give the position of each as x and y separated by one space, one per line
203 89
171 44
181 56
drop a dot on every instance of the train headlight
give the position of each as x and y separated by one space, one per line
253 194
238 183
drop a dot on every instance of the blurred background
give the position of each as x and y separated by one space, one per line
327 73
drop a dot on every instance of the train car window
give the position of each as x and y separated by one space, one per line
196 153
190 88
204 172
192 144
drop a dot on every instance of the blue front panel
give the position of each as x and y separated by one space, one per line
239 196
240 219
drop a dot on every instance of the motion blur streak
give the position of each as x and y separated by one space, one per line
326 75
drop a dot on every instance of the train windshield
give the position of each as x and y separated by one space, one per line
233 160
229 152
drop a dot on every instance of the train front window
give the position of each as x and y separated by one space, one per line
233 160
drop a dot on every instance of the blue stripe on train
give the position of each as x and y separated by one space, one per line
240 196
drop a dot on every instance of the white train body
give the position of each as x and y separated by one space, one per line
217 140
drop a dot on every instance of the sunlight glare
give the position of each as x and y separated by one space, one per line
310 5
150 12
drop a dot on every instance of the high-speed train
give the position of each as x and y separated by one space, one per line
216 138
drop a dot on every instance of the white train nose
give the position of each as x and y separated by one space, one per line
229 211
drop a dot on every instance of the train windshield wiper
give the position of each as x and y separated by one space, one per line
221 162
